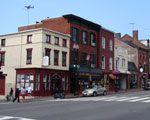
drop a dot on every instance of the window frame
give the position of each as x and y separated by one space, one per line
56 40
3 42
75 36
64 60
2 61
103 62
110 45
84 38
29 39
57 59
64 42
49 50
93 40
103 43
48 38
110 63
28 57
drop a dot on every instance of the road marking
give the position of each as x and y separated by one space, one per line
128 99
146 101
114 99
140 99
11 117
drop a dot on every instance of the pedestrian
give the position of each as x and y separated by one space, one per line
29 90
17 94
23 93
11 94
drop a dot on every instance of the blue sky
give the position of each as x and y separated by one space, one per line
115 15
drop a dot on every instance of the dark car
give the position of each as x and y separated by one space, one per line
147 85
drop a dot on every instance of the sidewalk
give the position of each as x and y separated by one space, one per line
40 98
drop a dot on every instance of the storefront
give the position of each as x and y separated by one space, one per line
85 77
42 81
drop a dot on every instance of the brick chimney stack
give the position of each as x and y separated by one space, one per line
135 35
118 35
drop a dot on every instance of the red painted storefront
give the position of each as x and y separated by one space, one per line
43 81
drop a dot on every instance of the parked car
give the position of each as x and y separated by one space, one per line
147 85
94 91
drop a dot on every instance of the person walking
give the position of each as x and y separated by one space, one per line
11 94
29 90
17 95
23 93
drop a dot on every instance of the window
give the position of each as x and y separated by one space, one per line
103 62
24 80
93 39
29 56
29 39
3 42
37 82
46 82
74 57
56 40
47 53
83 58
64 43
2 58
110 45
92 60
117 62
56 53
110 63
84 37
143 56
123 63
64 58
48 38
103 42
75 34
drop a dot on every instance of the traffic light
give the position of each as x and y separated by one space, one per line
76 66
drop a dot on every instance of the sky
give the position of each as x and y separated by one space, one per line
120 16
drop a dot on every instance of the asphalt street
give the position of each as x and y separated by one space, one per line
125 106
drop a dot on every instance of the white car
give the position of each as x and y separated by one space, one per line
94 91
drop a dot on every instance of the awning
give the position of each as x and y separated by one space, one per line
116 71
132 67
113 76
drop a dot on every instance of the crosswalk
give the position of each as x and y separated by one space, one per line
106 98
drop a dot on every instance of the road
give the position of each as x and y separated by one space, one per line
125 106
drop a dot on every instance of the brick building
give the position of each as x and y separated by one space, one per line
89 38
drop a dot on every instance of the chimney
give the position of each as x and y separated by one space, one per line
135 35
118 35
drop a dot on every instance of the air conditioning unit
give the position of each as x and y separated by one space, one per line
45 61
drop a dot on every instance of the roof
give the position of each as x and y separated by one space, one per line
132 66
71 16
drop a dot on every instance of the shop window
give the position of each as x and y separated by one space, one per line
46 82
37 82
24 80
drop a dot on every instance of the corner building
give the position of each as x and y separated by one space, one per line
86 51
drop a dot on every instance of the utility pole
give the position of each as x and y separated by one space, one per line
28 8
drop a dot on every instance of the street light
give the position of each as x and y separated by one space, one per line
75 49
